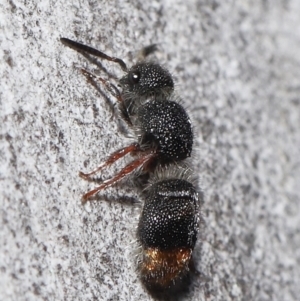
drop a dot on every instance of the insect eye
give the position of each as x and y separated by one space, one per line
134 77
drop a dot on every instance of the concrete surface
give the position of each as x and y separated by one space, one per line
237 67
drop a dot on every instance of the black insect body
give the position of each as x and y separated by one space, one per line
167 231
168 226
147 103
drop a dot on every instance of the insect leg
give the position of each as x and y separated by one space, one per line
110 87
135 147
120 175
144 52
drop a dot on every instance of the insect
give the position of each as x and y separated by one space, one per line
168 225
148 105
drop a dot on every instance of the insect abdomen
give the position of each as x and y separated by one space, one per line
168 231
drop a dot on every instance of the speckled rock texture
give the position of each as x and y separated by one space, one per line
237 69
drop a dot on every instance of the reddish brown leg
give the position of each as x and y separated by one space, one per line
119 176
112 158
109 86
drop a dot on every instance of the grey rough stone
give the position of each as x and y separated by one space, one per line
237 70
